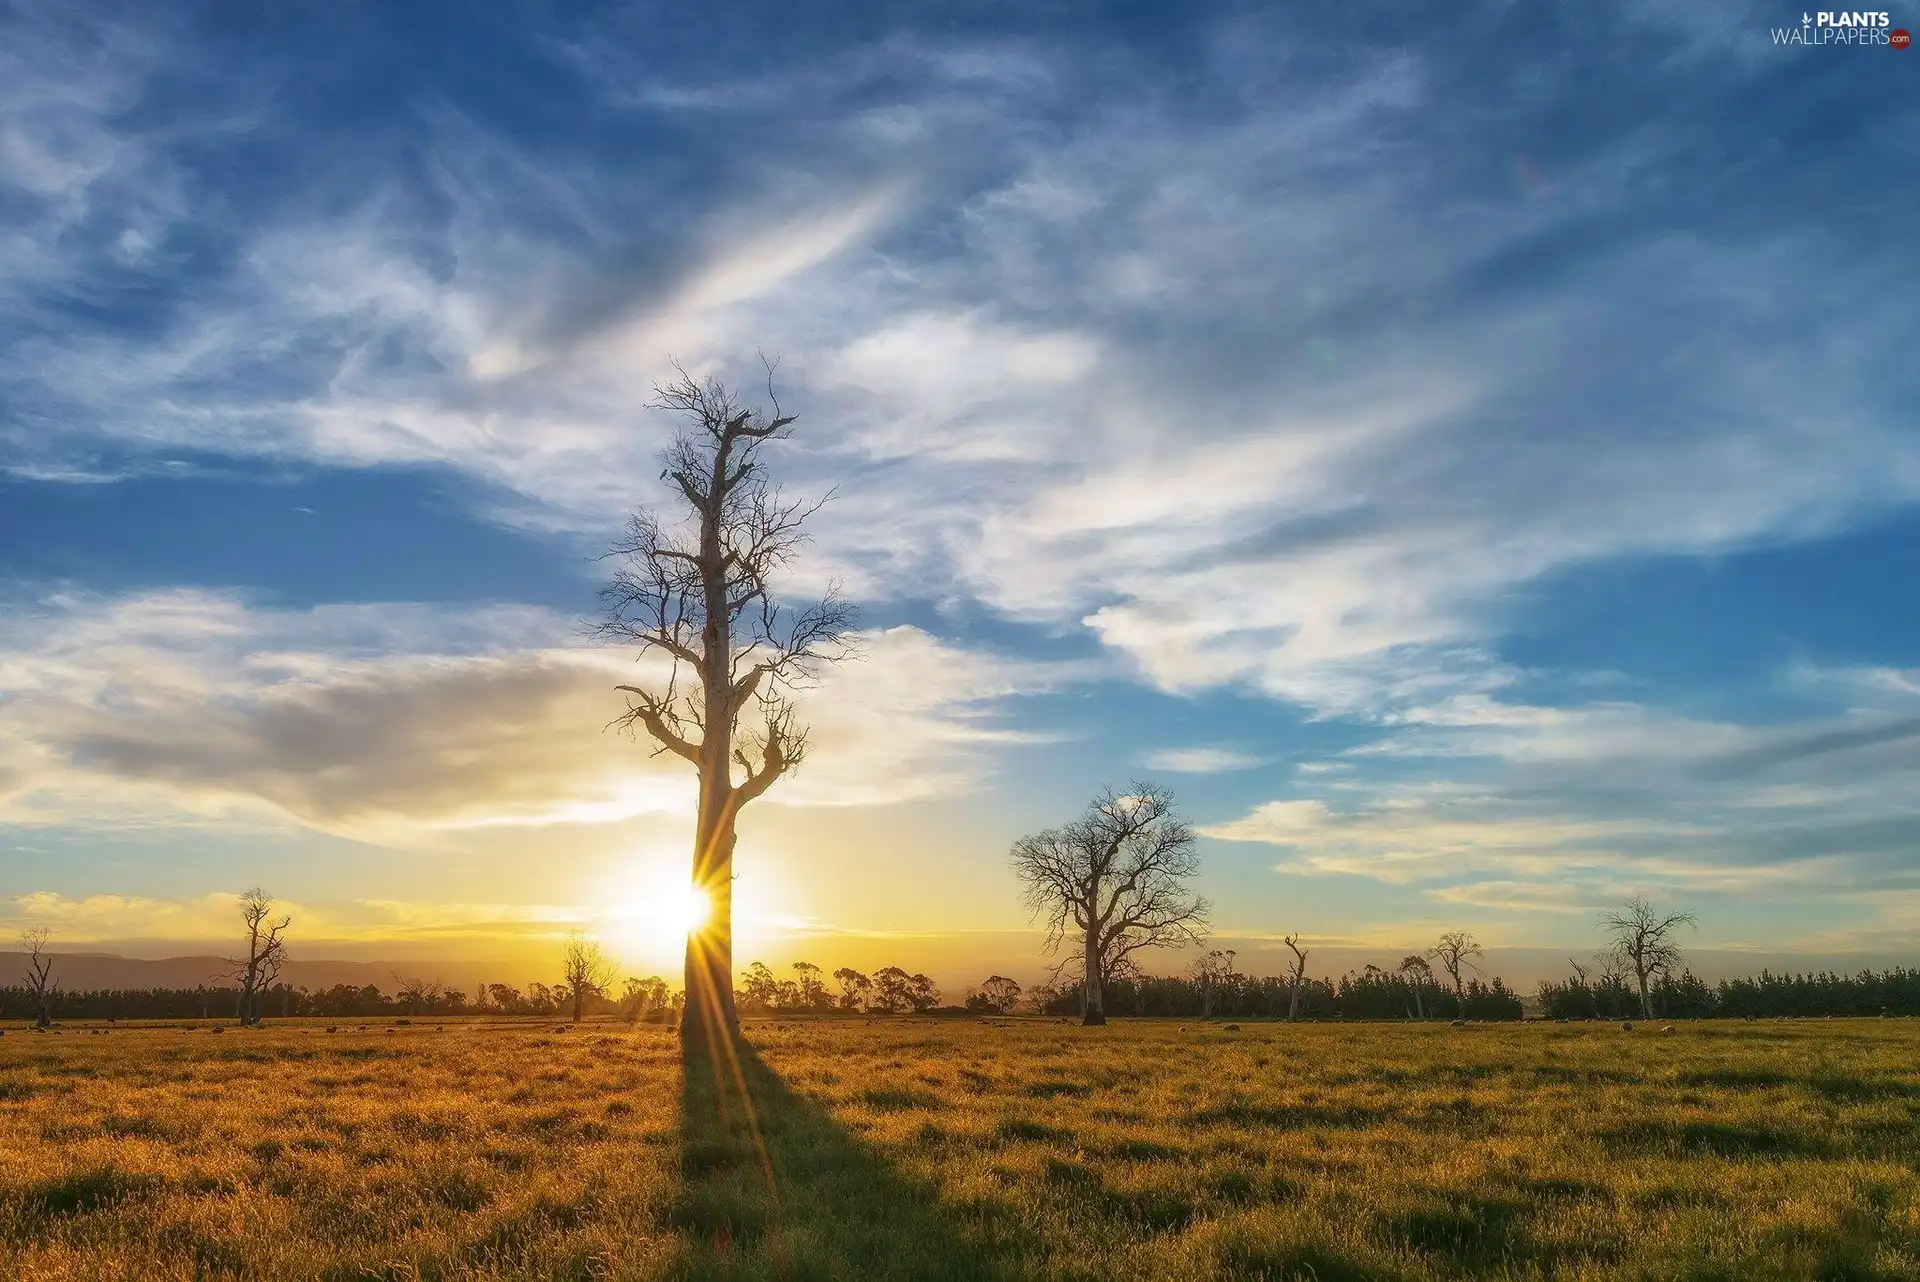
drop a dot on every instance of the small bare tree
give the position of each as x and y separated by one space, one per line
39 977
1299 973
1419 975
1115 882
266 953
1214 975
1456 952
699 592
1641 942
416 992
584 970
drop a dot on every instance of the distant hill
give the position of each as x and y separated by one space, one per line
109 970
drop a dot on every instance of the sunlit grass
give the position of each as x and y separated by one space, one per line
920 1148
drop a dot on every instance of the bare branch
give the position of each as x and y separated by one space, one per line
1117 880
700 587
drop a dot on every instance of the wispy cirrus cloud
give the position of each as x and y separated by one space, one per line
1202 760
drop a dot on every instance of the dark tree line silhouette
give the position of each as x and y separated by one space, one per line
1371 993
1612 995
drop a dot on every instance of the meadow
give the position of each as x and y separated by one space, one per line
926 1149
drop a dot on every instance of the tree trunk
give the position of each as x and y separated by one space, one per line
1092 1008
709 1017
1293 1000
578 992
1419 1009
1646 1003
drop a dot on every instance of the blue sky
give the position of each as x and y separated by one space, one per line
1471 455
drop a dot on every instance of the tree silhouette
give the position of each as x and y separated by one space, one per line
892 990
1641 943
1000 994
39 977
266 953
1419 974
1456 952
1114 882
1298 973
812 993
698 592
585 971
855 988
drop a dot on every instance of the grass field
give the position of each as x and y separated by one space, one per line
918 1149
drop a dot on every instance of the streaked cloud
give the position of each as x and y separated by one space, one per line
1202 760
409 724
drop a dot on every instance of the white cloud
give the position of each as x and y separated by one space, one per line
398 724
1202 760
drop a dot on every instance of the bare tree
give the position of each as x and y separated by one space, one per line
1456 952
585 971
699 593
1419 974
266 953
1214 974
1115 882
39 977
1642 943
1299 973
415 992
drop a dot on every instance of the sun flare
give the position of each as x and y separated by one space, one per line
682 911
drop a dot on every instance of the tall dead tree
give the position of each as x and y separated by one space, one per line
586 970
39 977
1641 942
1419 975
697 589
1456 952
1299 973
1113 883
266 953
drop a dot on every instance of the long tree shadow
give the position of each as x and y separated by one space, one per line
773 1187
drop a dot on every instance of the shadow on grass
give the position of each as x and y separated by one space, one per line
771 1186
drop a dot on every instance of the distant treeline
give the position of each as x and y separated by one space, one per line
648 999
1687 996
1369 994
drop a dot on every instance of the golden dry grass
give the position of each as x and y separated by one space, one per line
931 1149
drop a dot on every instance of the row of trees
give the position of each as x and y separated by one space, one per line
647 999
245 982
1372 993
1611 995
249 986
889 991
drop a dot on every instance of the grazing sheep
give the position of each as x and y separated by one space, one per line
1626 1025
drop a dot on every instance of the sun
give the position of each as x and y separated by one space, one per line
680 911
